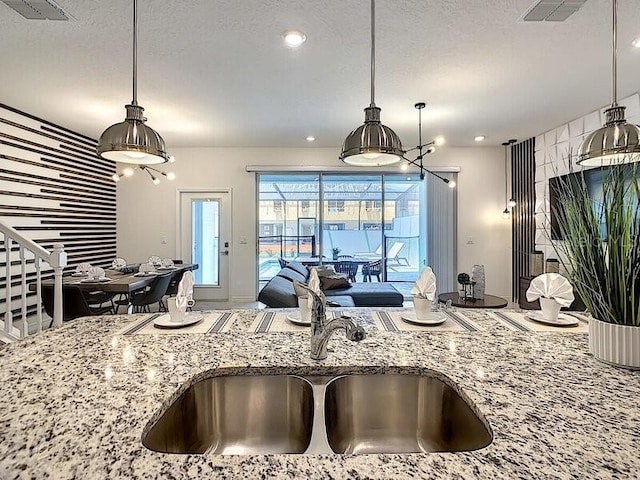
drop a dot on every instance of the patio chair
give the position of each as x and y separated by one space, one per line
377 253
372 269
393 255
348 267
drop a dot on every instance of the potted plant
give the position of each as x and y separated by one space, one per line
601 250
335 251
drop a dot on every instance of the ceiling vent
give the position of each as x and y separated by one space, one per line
552 10
38 9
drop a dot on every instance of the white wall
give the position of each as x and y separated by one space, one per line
553 149
147 212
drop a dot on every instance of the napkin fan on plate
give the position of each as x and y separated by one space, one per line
118 263
167 262
551 285
95 273
423 292
554 291
305 301
146 268
184 297
155 260
83 268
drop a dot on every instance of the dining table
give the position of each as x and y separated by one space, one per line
118 282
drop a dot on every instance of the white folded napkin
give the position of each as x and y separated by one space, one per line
551 285
167 262
184 297
83 268
146 268
118 263
425 286
95 272
155 260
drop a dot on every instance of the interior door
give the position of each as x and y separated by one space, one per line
205 239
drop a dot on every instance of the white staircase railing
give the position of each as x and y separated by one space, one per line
27 249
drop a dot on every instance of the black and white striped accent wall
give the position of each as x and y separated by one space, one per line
55 189
523 224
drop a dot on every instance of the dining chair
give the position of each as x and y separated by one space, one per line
141 299
74 303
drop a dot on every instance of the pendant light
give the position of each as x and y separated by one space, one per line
617 141
132 141
372 144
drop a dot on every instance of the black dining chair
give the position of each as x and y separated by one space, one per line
371 269
172 289
74 303
348 267
140 300
100 299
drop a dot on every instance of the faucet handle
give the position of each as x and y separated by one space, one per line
354 332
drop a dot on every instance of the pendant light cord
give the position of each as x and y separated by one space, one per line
615 53
135 53
373 52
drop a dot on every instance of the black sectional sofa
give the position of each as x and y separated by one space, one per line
279 291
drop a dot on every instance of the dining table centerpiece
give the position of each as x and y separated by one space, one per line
600 248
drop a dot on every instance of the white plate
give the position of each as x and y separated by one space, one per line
164 321
95 280
78 274
146 274
166 268
433 318
296 320
562 321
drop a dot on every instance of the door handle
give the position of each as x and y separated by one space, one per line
225 252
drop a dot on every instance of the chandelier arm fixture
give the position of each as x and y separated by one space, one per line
617 142
128 172
424 149
132 141
372 144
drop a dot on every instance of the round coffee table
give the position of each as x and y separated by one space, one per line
489 301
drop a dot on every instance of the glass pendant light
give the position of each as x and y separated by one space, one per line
372 144
617 141
132 141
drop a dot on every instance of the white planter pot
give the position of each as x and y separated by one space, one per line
615 344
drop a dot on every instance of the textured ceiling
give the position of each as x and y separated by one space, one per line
215 72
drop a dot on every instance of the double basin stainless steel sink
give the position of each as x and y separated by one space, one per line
350 414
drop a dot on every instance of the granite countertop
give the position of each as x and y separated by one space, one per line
75 401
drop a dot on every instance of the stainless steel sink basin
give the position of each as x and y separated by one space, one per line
399 414
351 414
254 414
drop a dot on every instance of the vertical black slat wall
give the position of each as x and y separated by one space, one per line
523 220
53 189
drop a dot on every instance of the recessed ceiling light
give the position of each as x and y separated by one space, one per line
636 42
294 38
311 138
439 140
479 138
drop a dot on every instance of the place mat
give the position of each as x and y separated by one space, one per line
212 322
519 323
392 322
277 322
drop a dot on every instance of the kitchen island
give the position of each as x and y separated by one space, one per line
76 401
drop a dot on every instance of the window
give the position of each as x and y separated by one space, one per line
373 205
277 206
305 205
335 206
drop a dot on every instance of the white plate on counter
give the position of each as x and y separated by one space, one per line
297 320
164 321
433 318
563 319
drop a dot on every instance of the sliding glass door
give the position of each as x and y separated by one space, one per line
327 217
